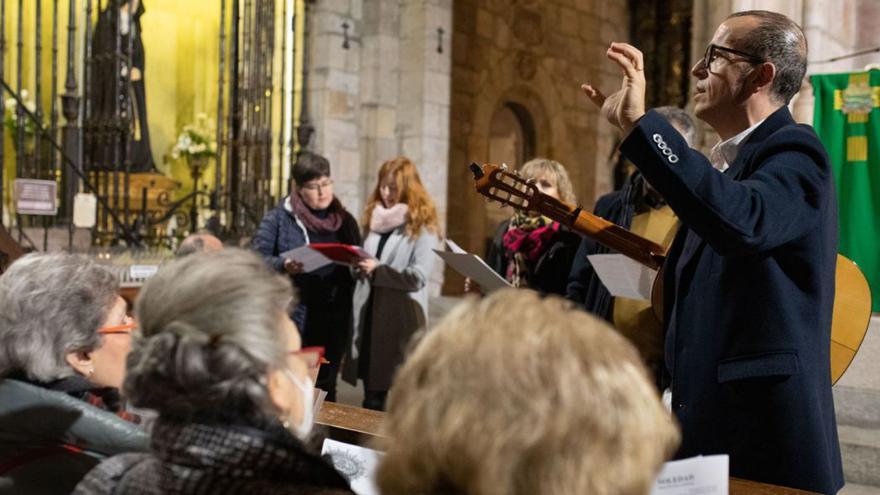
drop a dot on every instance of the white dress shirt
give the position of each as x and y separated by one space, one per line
724 153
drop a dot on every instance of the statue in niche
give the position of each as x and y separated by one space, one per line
106 118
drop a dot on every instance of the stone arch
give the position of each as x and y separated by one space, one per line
539 97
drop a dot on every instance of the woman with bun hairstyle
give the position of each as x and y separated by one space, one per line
216 358
391 294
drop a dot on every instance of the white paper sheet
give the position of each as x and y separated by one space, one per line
473 267
455 248
622 276
310 259
702 475
356 464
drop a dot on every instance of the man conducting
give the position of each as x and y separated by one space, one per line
749 279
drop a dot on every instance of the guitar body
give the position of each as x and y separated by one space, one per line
852 297
852 314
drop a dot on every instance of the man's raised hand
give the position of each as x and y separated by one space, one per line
624 107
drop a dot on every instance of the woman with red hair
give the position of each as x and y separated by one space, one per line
391 294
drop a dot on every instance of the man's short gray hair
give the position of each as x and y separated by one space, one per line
51 305
779 40
681 120
209 334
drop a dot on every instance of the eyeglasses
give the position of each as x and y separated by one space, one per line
712 54
317 186
312 356
118 329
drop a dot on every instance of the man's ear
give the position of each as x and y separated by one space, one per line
81 362
762 77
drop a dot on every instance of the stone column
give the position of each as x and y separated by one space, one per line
424 106
379 87
334 92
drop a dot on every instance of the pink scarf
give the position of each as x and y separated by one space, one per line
385 220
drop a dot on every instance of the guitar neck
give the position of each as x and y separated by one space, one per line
497 184
617 238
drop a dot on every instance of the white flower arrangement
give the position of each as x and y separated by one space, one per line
194 142
10 117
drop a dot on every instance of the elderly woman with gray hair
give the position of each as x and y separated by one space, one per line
64 336
217 357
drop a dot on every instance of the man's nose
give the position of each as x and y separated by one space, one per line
699 69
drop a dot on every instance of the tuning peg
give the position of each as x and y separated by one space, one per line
504 167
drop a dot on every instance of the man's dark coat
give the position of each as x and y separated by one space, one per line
749 290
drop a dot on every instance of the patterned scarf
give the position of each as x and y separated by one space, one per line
313 223
526 239
238 459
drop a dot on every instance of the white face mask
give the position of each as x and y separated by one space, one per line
307 391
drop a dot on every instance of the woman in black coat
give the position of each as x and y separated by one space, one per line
313 214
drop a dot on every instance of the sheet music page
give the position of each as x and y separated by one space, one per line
701 475
356 464
310 259
622 276
473 267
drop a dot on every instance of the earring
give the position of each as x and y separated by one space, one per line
90 372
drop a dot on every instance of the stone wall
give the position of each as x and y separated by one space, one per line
386 95
832 28
534 54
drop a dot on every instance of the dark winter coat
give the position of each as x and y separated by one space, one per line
748 296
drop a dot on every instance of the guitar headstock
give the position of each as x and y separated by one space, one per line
508 188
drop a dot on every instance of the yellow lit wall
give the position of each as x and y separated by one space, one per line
181 44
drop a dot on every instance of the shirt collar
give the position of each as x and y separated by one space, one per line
724 153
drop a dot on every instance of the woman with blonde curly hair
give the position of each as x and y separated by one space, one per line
519 394
391 294
531 250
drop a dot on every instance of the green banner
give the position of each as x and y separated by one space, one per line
847 119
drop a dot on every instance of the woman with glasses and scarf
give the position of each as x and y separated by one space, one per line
64 338
531 250
217 358
313 214
391 296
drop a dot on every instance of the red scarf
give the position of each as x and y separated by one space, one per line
524 242
314 223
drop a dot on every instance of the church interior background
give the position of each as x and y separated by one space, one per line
239 87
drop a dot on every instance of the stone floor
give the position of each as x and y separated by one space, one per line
853 489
